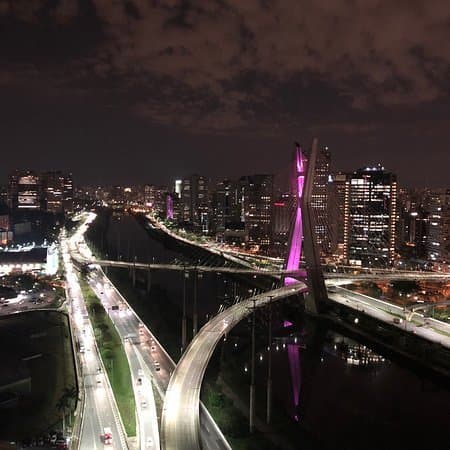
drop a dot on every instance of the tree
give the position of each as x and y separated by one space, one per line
68 396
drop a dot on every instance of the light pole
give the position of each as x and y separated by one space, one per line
195 314
183 320
252 376
118 245
134 271
269 366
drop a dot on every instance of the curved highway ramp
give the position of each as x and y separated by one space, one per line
180 428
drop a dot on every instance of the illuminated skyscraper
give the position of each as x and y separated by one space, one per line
370 217
283 210
320 201
255 196
225 205
57 192
24 190
195 201
437 206
338 210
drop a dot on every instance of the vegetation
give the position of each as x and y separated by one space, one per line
113 357
67 403
231 421
52 372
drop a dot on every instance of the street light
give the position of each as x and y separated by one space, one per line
252 382
269 366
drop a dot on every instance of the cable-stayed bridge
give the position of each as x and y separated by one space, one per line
180 428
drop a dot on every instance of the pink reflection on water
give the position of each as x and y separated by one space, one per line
294 365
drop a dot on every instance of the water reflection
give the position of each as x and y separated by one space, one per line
340 392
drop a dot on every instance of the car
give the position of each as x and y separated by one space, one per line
143 404
153 348
140 372
61 444
149 442
157 366
139 381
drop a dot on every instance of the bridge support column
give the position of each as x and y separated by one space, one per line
133 272
269 368
195 312
183 320
149 281
252 381
317 297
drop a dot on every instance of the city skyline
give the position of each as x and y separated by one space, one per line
224 224
122 93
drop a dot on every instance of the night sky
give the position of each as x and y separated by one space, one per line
146 90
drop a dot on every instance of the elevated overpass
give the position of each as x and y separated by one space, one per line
388 275
181 420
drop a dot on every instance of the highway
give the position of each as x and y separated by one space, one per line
424 327
146 352
181 414
135 344
181 420
100 409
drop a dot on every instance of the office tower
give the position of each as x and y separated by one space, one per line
255 195
413 224
24 190
3 194
149 195
320 202
6 234
178 187
283 209
195 202
225 208
155 198
57 192
370 218
67 200
437 205
339 192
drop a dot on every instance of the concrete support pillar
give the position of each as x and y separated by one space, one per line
252 380
184 319
195 312
269 368
134 272
149 280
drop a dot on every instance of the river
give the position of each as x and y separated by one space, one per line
335 391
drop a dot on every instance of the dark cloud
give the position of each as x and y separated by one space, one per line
371 52
262 67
